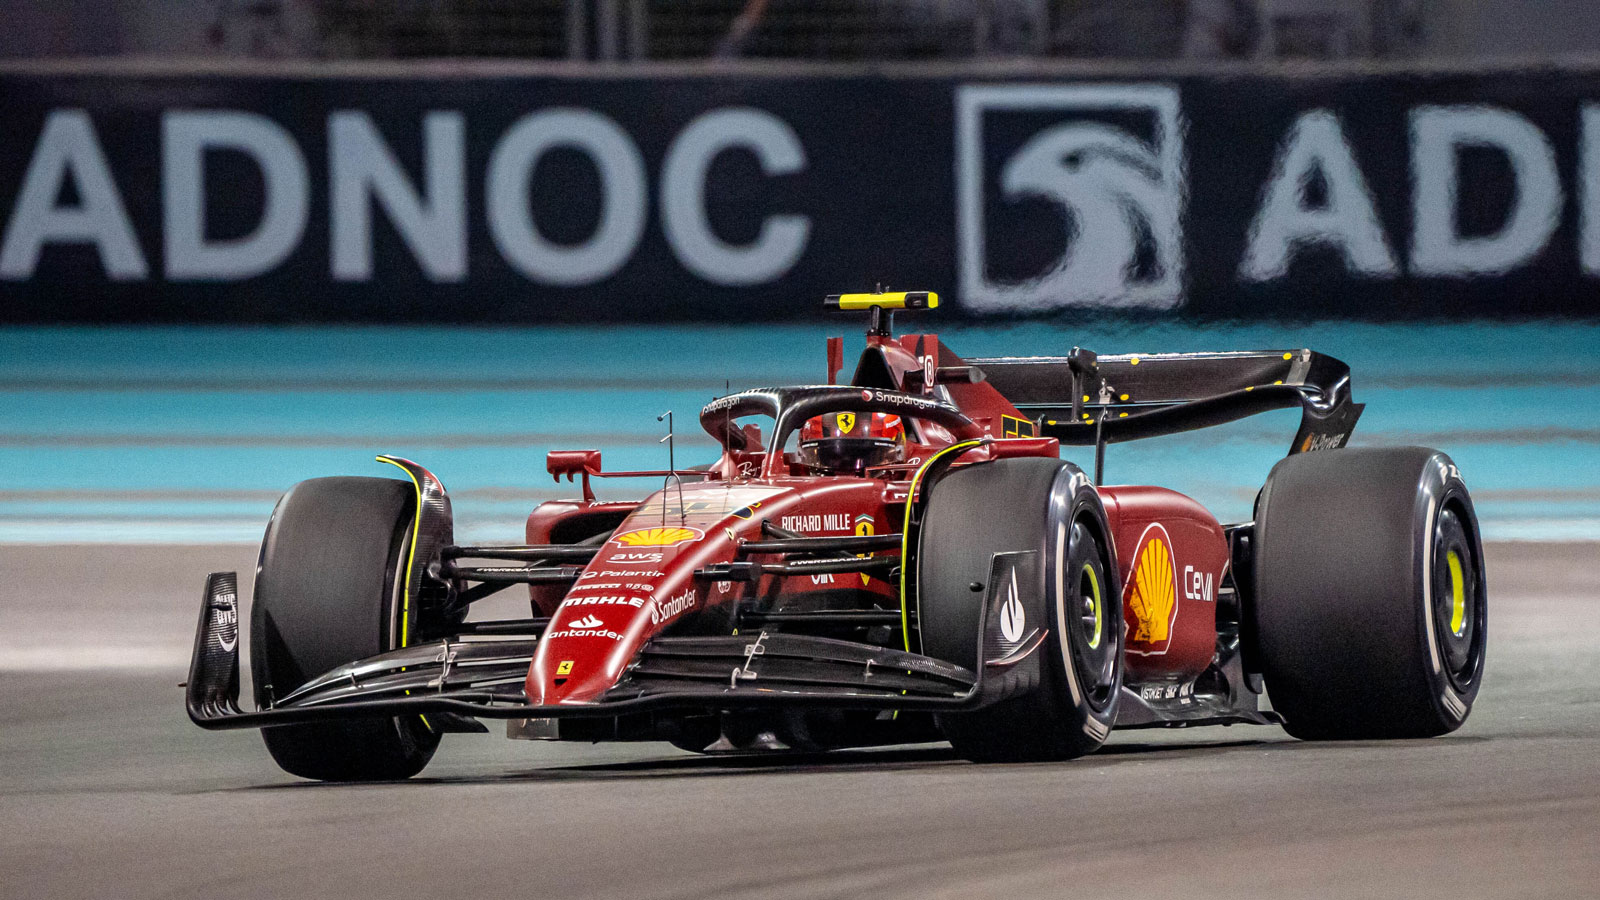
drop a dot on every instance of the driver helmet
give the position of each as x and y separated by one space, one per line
850 442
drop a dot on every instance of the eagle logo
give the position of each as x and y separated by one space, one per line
657 537
1152 596
1123 230
1111 170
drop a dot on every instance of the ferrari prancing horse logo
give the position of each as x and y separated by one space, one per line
863 529
847 422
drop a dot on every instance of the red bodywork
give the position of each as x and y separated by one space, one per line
1179 646
1172 554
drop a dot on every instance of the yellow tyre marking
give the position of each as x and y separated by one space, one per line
1099 605
1458 594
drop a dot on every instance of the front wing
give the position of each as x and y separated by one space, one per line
483 678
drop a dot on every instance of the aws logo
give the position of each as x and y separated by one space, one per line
1084 207
1151 595
658 537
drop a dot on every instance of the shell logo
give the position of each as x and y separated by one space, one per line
657 537
1152 600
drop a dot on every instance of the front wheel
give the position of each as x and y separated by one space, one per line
330 589
1015 506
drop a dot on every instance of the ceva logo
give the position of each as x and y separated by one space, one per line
1105 176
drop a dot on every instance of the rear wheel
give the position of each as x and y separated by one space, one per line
330 589
1041 505
1370 604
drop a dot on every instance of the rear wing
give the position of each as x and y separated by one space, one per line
1086 399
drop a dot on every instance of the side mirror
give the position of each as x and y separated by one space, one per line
752 437
574 463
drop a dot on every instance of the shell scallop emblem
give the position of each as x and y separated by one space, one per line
1152 600
657 537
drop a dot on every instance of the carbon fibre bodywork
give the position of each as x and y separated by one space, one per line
1135 396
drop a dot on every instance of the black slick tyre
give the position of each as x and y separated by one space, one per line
1006 506
1370 602
329 590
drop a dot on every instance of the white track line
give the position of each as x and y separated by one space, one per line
92 657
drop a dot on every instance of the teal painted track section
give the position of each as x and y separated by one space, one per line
190 434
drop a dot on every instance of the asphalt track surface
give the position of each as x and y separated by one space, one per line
106 791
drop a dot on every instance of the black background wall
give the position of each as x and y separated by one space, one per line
750 196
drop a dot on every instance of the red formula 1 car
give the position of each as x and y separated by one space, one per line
901 558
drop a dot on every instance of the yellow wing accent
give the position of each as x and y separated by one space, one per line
411 558
911 496
416 526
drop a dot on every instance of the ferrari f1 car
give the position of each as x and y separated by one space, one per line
902 557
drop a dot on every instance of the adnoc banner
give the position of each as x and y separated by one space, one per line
461 197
